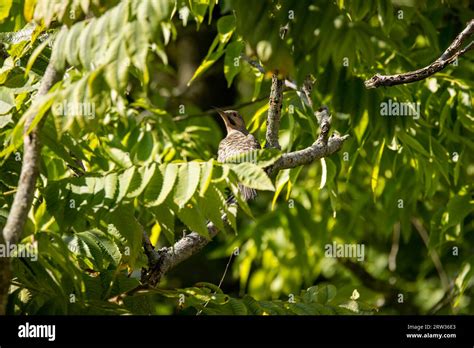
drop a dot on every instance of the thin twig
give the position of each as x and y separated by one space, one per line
449 56
220 282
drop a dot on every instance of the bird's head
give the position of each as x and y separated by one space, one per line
232 120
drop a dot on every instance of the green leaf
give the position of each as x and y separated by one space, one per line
211 206
88 247
58 55
125 179
5 120
188 181
110 188
281 180
198 9
376 168
5 7
225 28
252 176
169 173
412 143
192 216
324 172
100 248
385 14
7 100
232 63
123 220
72 47
320 294
206 64
165 216
212 3
119 156
146 174
258 85
237 307
254 307
359 130
36 54
430 31
458 208
207 171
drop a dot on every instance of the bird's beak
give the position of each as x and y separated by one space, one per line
220 112
223 115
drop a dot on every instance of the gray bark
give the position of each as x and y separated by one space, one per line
26 186
449 56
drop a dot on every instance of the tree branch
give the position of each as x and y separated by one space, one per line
324 146
166 258
450 55
26 185
274 112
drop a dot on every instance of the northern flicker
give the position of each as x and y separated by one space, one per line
238 140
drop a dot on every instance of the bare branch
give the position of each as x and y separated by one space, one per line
450 55
169 257
324 146
274 112
26 185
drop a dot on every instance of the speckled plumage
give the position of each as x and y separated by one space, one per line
234 143
237 141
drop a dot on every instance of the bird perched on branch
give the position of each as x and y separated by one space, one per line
237 141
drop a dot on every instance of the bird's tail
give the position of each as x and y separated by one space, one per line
247 194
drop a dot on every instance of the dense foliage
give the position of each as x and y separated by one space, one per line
130 146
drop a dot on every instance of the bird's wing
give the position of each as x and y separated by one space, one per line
253 142
234 143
